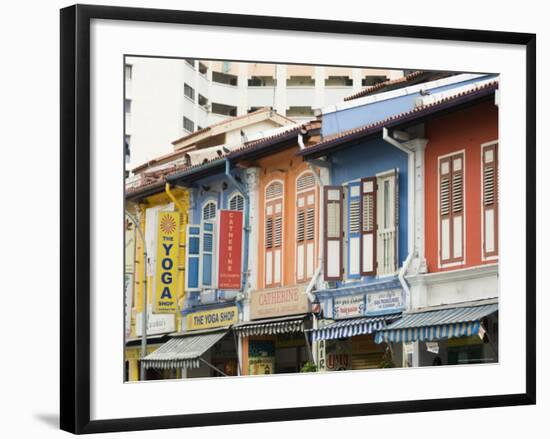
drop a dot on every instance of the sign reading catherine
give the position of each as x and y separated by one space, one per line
230 249
167 261
214 318
277 302
384 301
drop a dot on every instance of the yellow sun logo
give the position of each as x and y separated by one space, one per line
168 224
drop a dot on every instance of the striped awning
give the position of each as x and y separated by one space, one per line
436 325
282 325
351 327
182 352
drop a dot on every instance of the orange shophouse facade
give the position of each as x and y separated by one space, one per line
273 338
460 271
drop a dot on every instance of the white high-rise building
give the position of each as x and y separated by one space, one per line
168 98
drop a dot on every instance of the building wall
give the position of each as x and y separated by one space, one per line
462 130
366 160
159 104
285 166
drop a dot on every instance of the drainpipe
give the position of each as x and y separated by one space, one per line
313 280
244 192
403 270
183 213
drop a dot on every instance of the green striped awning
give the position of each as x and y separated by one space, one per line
183 352
436 325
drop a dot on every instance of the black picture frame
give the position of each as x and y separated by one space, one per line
75 217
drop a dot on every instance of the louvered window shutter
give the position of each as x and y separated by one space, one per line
354 230
305 235
490 200
368 226
207 255
333 233
273 234
451 208
236 202
192 258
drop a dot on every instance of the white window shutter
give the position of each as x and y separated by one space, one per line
208 259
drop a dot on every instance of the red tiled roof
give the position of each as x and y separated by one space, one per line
378 125
179 153
158 178
381 85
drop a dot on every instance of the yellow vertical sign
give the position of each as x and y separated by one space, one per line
167 263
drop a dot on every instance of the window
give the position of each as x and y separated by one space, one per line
224 110
203 69
339 81
224 78
127 105
208 261
193 253
209 211
127 147
128 71
203 102
451 208
190 61
189 92
300 81
253 109
333 242
305 226
188 124
368 81
273 233
489 185
236 202
371 227
299 112
262 81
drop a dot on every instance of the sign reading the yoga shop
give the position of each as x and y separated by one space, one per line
214 318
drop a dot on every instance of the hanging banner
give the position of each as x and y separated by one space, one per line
167 263
230 249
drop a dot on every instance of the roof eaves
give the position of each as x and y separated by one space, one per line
399 119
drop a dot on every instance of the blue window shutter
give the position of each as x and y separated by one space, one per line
354 230
192 258
207 255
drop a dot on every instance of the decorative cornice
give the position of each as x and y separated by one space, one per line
477 272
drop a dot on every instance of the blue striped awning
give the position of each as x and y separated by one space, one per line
351 327
435 325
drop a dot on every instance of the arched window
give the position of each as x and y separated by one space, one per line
208 259
236 202
273 233
209 211
305 226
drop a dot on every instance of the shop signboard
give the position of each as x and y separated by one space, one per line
156 323
214 318
278 302
349 306
130 247
128 293
261 357
384 301
230 249
167 263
